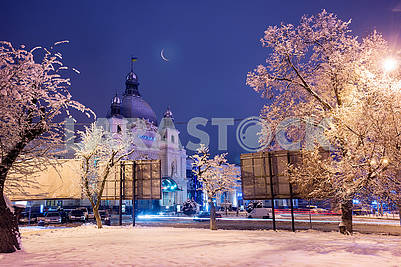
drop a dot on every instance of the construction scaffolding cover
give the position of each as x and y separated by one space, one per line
53 179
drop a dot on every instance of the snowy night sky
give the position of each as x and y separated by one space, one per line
211 45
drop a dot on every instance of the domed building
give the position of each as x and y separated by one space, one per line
132 104
155 141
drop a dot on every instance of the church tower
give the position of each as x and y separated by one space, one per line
133 106
115 106
117 123
173 160
154 141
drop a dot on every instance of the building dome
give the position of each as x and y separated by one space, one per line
116 100
114 107
168 113
134 106
132 76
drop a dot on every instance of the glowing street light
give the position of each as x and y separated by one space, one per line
389 64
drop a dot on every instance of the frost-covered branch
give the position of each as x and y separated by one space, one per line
319 71
215 174
99 151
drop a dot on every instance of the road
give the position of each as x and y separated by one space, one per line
322 223
283 222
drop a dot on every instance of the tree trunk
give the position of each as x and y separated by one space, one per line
346 217
381 209
212 216
97 217
399 212
9 232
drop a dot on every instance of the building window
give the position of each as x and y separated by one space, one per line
118 129
172 139
168 199
54 203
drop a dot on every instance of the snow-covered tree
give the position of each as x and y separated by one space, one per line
99 151
319 72
370 166
383 123
189 207
216 176
34 95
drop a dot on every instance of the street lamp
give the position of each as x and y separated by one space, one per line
389 64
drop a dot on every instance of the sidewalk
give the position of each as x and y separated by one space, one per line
386 217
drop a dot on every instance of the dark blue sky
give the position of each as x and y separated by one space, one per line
211 45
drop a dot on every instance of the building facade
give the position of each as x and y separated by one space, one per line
152 140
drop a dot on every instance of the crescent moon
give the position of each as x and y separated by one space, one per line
162 55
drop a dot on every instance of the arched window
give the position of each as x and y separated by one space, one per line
118 129
172 139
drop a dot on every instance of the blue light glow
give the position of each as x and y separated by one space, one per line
145 137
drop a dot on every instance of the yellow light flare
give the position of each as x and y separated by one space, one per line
390 64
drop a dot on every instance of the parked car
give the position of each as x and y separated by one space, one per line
204 216
105 216
85 211
77 215
262 213
25 217
91 216
53 217
64 216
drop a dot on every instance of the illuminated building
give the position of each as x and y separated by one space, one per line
133 113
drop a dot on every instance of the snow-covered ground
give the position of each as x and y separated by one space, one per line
158 246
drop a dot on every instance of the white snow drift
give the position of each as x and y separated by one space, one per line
147 246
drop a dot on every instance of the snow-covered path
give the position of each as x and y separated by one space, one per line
157 246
